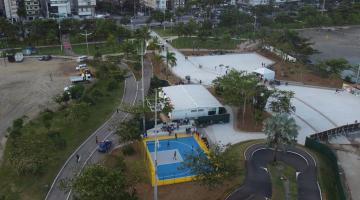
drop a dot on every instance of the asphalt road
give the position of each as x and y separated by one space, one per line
257 183
87 150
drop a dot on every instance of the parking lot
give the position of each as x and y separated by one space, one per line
335 43
28 87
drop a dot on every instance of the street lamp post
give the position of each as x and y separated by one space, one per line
357 76
86 34
155 157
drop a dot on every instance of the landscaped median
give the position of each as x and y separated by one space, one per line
37 149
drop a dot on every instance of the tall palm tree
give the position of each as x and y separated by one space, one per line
170 60
281 130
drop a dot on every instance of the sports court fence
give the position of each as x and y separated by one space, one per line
324 150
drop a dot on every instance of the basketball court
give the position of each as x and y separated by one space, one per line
171 154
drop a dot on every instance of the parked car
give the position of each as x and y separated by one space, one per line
81 66
45 58
82 59
104 146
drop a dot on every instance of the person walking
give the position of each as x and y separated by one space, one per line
77 158
174 158
96 140
175 136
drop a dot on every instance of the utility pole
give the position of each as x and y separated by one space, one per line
155 157
358 73
142 82
60 35
86 39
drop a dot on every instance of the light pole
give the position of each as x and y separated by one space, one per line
86 34
357 76
155 157
60 36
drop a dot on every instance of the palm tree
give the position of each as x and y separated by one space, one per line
281 130
170 60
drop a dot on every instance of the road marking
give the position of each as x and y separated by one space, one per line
92 153
91 136
303 157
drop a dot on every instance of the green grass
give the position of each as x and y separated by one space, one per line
212 43
50 51
277 171
74 131
326 177
164 33
102 48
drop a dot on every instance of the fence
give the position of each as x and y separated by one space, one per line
330 155
341 130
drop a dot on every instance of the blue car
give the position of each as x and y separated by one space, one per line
104 146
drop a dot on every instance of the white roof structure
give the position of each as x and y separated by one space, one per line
266 73
185 97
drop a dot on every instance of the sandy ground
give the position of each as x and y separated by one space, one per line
339 43
28 87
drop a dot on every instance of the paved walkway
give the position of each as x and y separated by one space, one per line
87 150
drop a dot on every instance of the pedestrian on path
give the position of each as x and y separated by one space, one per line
175 136
117 110
96 140
77 158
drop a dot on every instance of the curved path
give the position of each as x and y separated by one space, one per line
257 183
87 150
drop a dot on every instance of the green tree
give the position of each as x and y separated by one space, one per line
281 102
236 88
111 42
170 60
214 168
101 183
333 66
281 130
129 131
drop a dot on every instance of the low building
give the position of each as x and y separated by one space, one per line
194 102
59 8
86 8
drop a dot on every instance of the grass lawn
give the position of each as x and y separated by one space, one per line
50 51
277 171
162 32
193 42
74 132
103 49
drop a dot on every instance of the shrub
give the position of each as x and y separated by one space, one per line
112 85
128 150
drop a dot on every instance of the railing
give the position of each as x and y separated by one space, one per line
345 130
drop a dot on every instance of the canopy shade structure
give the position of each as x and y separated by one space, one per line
265 73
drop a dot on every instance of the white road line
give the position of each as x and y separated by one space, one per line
303 157
136 94
70 157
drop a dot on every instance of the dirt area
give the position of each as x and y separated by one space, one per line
342 42
349 159
28 87
299 73
181 191
250 124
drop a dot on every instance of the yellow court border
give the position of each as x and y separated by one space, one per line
152 167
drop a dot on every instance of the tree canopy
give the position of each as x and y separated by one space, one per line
214 168
281 130
101 183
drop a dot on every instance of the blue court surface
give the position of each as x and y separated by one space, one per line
170 155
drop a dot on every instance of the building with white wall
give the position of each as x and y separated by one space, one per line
32 9
11 10
86 8
60 8
191 101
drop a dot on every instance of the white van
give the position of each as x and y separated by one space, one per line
82 59
80 66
